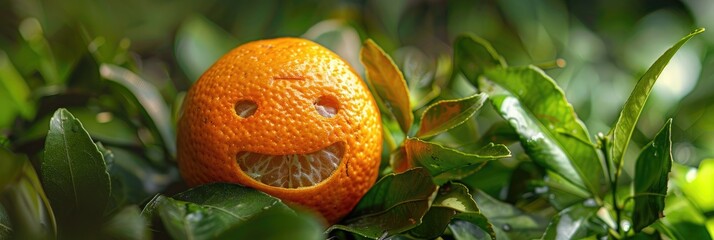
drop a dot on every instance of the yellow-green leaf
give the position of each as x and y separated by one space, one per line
388 82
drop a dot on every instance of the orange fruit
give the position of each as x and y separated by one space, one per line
285 116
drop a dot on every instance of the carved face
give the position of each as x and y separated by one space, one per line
285 116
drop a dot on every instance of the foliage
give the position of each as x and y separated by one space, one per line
482 141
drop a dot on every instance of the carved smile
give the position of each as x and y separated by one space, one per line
292 170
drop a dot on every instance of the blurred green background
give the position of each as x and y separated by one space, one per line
606 44
51 53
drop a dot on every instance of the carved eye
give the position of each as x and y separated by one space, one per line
327 106
245 108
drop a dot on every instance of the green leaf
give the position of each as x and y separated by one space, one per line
388 82
474 55
199 43
14 87
396 203
651 177
549 130
74 175
452 201
147 96
438 159
127 223
447 114
509 222
207 211
621 132
576 222
277 224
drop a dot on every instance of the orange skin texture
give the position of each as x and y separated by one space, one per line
284 77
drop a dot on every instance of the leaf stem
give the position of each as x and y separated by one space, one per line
604 146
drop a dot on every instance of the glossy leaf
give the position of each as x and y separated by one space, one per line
508 221
651 176
452 201
388 82
396 203
438 159
625 125
473 55
148 97
277 224
14 87
199 43
447 114
548 127
207 211
576 222
74 174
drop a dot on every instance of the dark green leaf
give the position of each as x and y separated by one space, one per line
438 159
396 203
452 201
651 177
549 130
388 82
127 223
509 222
622 130
199 43
207 211
447 114
277 224
474 55
14 87
148 96
74 173
576 222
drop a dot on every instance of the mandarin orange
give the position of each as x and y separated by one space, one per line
285 116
